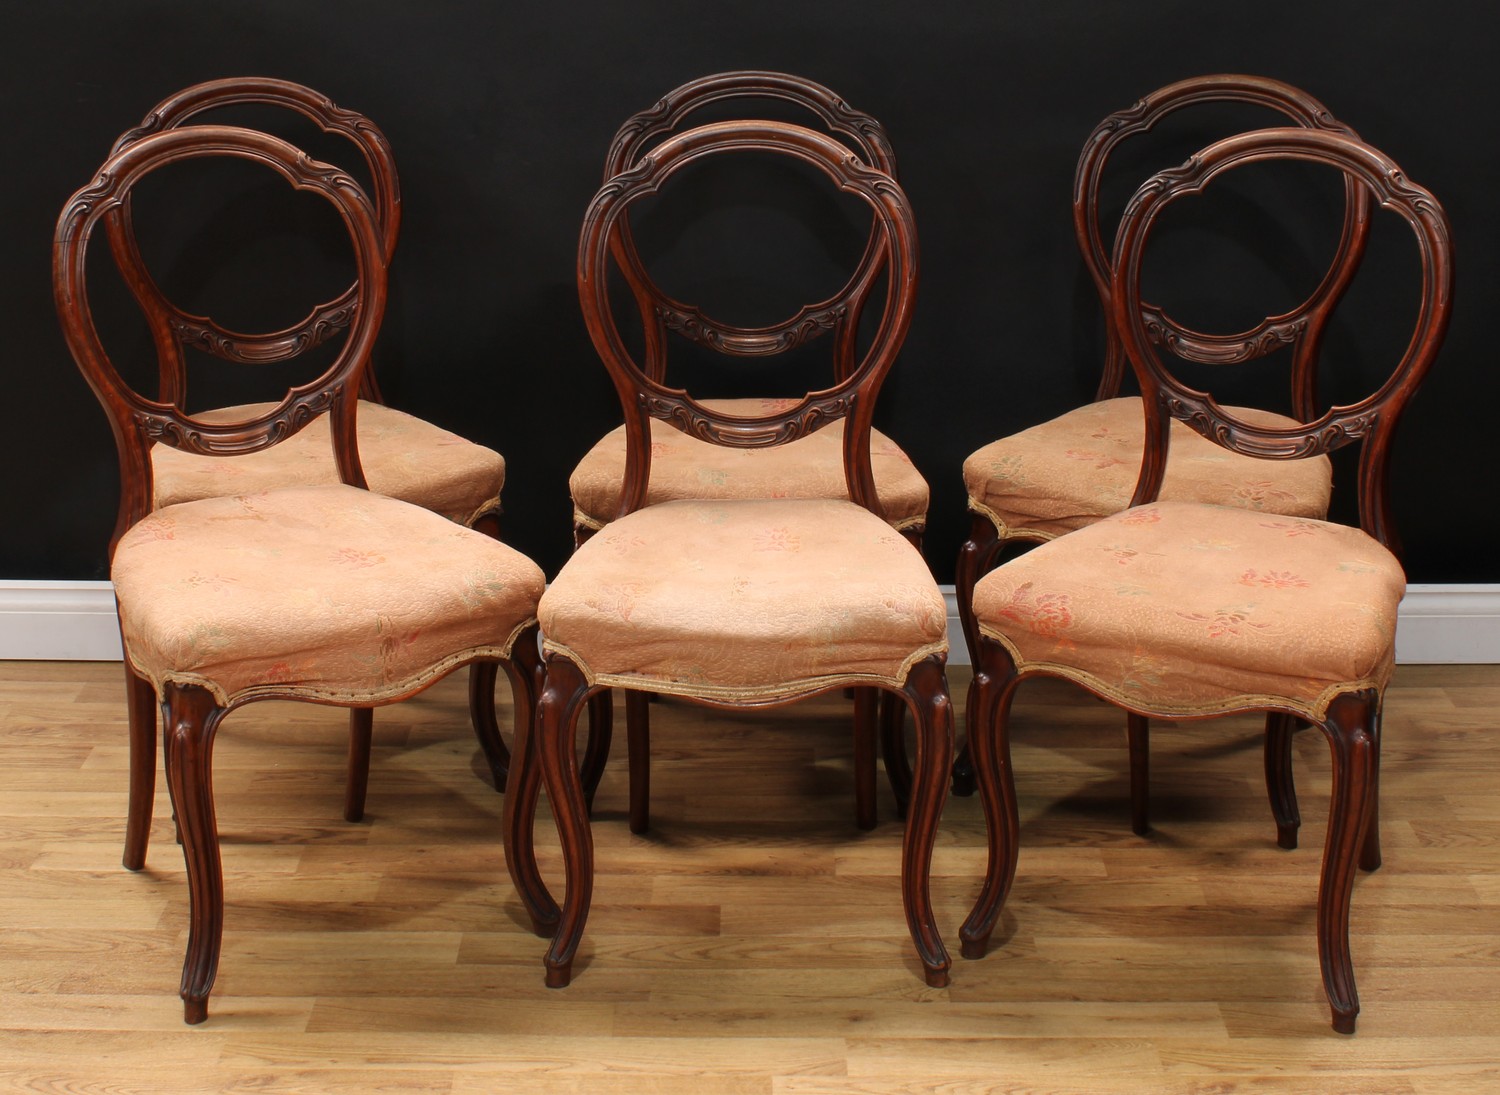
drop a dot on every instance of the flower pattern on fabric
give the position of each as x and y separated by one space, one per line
1276 579
1082 466
1046 614
1222 622
777 539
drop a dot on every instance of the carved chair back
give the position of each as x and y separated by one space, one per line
1301 328
138 421
644 395
172 328
1370 420
660 312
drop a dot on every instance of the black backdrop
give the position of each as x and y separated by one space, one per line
500 114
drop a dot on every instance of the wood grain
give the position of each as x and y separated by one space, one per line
393 955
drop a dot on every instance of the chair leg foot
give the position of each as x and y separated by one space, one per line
560 976
194 1010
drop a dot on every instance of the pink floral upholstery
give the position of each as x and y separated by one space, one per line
328 593
1068 473
684 467
745 599
403 457
1178 609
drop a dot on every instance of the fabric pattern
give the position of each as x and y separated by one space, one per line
403 457
745 599
685 467
329 593
1178 609
1065 474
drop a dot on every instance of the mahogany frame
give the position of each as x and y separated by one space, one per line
1352 720
1301 328
566 687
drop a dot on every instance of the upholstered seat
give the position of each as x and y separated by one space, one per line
745 599
1080 467
325 593
404 457
682 466
1180 609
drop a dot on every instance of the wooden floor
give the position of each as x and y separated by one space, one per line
754 941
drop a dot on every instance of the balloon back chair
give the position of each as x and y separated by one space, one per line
1186 610
328 593
403 456
742 601
684 466
1080 467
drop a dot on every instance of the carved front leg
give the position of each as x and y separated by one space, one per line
191 718
1351 727
995 680
927 693
523 788
562 699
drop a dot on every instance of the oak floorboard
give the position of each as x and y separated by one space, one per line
753 942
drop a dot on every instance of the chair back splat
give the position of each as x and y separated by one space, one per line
643 396
171 327
1302 327
1371 420
140 422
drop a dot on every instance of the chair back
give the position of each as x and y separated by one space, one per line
644 395
1372 419
1301 328
173 328
138 421
660 312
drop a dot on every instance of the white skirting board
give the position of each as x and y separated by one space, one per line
75 621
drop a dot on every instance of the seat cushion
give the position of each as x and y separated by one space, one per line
1068 473
327 593
1178 609
403 457
685 467
745 599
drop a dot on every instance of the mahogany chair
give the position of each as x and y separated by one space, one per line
1067 473
737 602
404 456
684 466
329 593
1178 609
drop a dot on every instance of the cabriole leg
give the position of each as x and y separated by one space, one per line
995 680
1281 787
1138 739
191 718
1351 727
523 787
562 699
927 693
638 752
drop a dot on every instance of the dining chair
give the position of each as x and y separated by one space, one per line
1180 609
329 593
1069 472
737 602
684 466
404 456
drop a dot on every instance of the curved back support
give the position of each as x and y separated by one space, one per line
140 422
173 328
1302 328
660 312
644 396
1371 420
